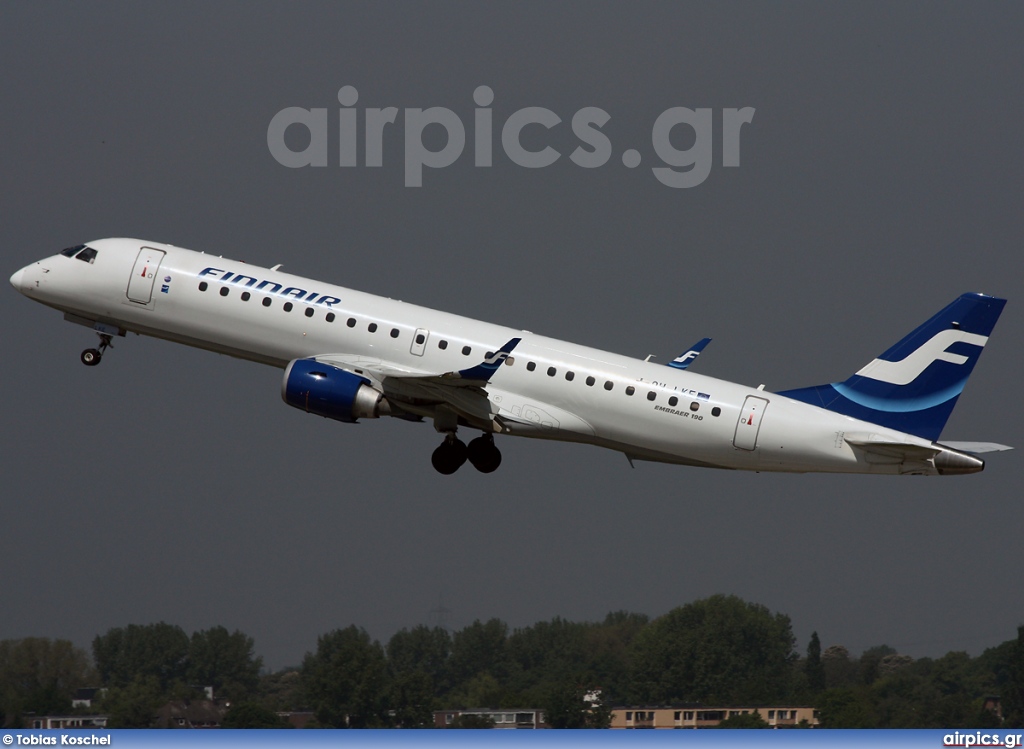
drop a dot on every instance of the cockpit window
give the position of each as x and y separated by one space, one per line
70 251
88 255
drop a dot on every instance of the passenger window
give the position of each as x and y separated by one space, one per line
420 339
203 286
351 322
466 351
570 376
246 296
630 390
309 311
224 291
287 306
673 401
694 406
88 255
267 301
590 382
608 385
442 345
716 411
530 366
551 371
489 355
509 361
372 327
330 317
394 332
652 395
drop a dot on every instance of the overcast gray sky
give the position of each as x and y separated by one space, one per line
880 177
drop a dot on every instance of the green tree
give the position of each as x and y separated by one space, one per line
840 671
133 705
477 649
125 654
720 649
282 690
345 679
545 655
482 690
411 697
870 661
226 661
813 668
252 715
1013 684
40 675
847 707
421 650
608 646
567 706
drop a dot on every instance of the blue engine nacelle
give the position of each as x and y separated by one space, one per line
321 389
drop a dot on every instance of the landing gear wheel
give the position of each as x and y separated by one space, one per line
482 453
91 357
449 456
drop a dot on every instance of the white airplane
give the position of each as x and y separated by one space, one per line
348 355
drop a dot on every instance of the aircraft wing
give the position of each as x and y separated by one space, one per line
415 390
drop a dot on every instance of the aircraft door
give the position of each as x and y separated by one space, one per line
749 423
140 285
419 341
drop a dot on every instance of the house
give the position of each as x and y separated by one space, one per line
190 714
85 697
695 715
505 718
65 721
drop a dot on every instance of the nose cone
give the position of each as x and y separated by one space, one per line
16 279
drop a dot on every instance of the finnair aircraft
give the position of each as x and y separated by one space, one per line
348 355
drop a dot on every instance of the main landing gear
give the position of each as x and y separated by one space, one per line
453 452
92 356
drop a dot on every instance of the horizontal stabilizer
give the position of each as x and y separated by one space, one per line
976 448
914 458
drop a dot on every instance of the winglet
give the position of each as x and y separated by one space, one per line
489 366
684 360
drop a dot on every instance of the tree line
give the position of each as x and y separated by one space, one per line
718 651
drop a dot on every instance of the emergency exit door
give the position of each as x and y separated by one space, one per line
749 423
140 285
419 341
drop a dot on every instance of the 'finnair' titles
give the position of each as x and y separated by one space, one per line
348 355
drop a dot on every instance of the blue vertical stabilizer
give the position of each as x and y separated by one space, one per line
914 385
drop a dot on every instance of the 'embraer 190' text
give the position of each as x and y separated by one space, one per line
270 287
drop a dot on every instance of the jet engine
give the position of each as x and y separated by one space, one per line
321 389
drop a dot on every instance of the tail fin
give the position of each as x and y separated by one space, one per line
914 385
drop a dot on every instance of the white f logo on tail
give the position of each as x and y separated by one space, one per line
907 370
685 358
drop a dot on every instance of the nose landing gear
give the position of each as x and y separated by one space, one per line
453 452
91 356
